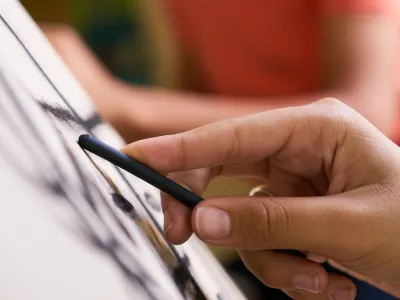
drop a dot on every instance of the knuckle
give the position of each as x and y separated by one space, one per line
333 109
181 153
235 151
331 102
332 117
328 105
275 218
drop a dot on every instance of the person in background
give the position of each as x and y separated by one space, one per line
234 58
238 58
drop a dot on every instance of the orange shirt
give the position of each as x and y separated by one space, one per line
263 47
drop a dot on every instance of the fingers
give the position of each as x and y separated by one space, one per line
233 141
283 271
71 47
177 226
299 278
258 223
338 288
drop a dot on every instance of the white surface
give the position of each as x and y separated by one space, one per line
41 255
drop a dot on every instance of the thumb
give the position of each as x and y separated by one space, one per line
316 224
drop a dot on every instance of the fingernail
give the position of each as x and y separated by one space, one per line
212 223
342 294
168 222
307 282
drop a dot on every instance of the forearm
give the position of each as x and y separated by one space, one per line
157 112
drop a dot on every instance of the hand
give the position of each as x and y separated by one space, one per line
337 185
118 103
87 68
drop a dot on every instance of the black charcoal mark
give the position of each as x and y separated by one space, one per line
154 204
185 260
179 273
57 188
186 286
66 116
182 262
93 121
122 203
61 114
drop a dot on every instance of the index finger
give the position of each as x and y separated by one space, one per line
245 139
230 141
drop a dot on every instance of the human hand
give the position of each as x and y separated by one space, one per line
95 78
83 63
337 184
120 104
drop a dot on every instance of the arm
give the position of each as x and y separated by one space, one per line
365 48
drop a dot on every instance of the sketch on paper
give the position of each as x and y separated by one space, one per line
77 227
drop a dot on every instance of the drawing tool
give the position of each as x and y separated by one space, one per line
139 170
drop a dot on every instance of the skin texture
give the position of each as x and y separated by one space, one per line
360 55
336 181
